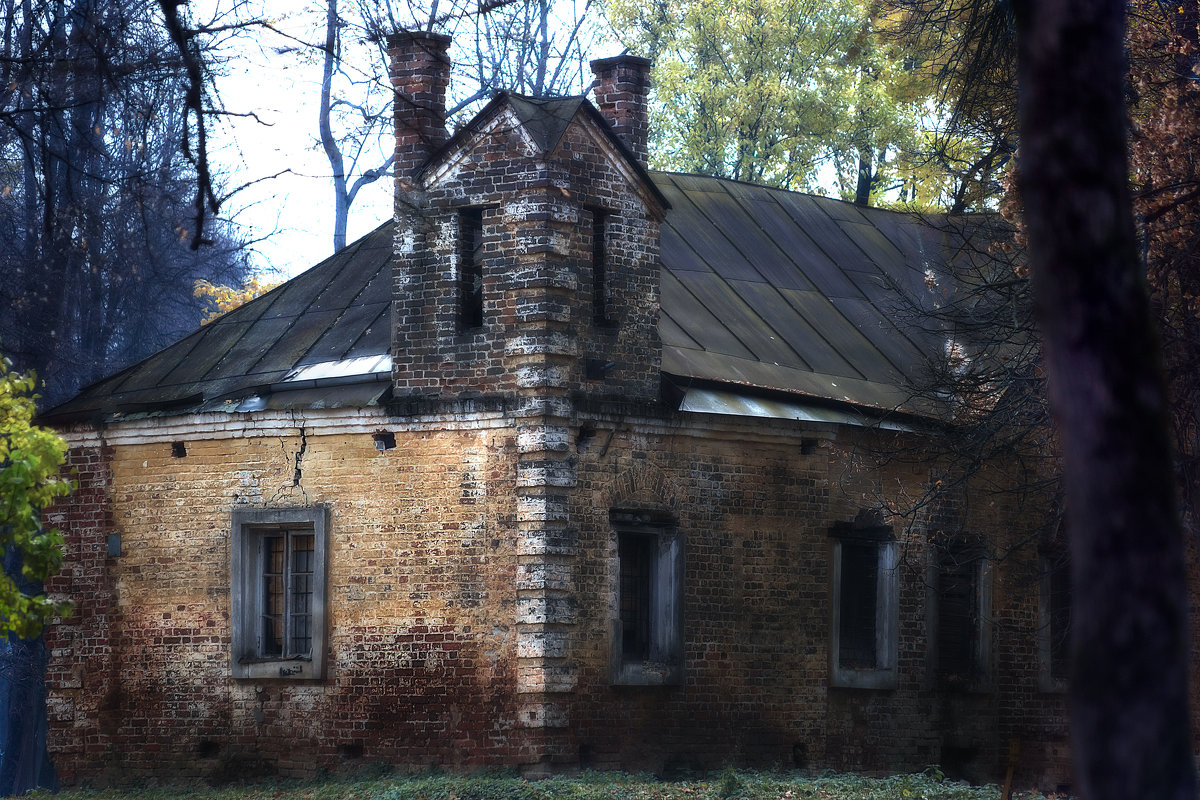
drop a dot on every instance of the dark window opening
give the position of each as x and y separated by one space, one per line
470 268
637 574
647 618
958 609
857 629
600 310
865 603
178 450
1059 622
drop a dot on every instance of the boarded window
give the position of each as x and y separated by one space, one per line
470 268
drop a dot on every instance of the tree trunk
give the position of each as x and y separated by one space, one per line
24 758
1129 680
862 192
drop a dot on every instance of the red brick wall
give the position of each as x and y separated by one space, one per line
421 576
430 579
83 647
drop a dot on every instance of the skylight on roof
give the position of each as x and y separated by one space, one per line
363 365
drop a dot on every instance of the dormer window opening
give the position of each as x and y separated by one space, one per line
470 269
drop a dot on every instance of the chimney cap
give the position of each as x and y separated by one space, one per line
439 40
602 64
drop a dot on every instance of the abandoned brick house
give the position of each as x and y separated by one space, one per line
555 471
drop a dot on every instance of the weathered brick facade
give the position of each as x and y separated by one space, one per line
472 562
461 636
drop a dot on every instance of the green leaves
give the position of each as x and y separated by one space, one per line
793 93
30 458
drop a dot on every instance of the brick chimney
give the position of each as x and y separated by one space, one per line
622 92
420 71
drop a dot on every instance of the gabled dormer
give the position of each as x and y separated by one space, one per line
527 243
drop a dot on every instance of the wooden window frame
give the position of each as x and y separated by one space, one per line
660 661
867 531
250 530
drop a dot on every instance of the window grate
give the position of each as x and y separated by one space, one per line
287 591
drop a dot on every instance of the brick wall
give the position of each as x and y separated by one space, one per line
421 575
84 656
757 515
437 651
538 330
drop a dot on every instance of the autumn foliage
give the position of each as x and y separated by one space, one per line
1165 161
222 299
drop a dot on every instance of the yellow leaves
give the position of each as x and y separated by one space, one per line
223 299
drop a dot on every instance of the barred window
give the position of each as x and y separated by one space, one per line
287 581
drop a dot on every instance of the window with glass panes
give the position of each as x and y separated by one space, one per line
287 587
278 567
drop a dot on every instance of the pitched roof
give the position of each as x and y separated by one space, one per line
545 120
335 312
762 289
785 291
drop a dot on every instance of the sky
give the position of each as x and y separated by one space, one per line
290 215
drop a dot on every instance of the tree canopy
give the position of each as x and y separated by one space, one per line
96 194
783 92
30 458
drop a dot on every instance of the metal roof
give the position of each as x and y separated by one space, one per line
762 290
784 291
254 356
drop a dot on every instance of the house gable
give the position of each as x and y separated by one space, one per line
562 263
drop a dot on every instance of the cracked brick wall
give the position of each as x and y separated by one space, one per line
422 575
470 619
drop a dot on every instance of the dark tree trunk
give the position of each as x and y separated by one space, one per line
24 759
1129 699
866 178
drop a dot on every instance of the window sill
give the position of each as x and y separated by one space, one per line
884 679
288 669
647 673
963 685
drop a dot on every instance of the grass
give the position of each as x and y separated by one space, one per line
726 785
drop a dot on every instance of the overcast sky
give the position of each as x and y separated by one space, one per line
282 89
293 211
